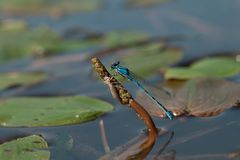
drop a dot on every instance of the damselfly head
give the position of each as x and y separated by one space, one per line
115 64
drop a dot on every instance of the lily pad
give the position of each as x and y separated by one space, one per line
197 97
41 41
18 41
15 79
144 3
210 67
123 38
47 7
147 60
51 111
27 148
12 25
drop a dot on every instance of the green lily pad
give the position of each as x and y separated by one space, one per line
144 3
12 25
123 38
217 67
51 111
18 41
27 148
196 97
15 79
48 7
41 41
147 60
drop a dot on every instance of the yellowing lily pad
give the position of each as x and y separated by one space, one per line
197 97
210 67
51 111
16 79
147 60
28 148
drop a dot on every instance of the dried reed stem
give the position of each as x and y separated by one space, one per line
118 91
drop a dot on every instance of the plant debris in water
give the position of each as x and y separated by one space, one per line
197 97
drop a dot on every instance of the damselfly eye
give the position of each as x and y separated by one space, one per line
115 64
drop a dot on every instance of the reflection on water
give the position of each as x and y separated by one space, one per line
139 147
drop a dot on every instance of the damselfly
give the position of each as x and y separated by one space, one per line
125 72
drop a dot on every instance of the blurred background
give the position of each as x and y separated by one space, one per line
55 40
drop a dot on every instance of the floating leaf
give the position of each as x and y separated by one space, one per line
202 97
118 39
16 79
24 42
12 25
47 7
19 41
41 41
209 67
147 60
27 148
143 3
53 111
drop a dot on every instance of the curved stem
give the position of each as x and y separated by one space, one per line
143 114
119 92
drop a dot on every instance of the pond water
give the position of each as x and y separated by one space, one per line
208 27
